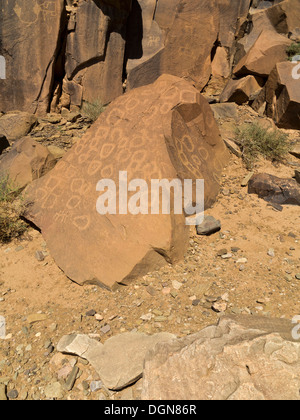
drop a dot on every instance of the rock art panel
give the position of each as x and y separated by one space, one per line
162 131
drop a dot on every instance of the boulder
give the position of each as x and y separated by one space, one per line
17 124
4 144
269 49
242 358
282 96
26 162
282 17
240 91
162 131
120 361
220 64
296 151
275 190
180 38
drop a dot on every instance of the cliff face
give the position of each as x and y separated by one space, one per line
60 53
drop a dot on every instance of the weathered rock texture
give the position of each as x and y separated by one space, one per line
30 38
247 358
275 190
17 124
282 95
120 361
26 162
181 38
63 53
165 130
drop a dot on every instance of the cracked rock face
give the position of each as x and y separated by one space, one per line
233 361
29 40
161 131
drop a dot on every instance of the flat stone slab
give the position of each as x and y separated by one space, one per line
120 361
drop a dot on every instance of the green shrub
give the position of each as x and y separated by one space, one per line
293 50
92 110
11 209
256 142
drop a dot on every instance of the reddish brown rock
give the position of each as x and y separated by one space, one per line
165 130
282 95
94 53
180 38
30 31
269 49
17 124
240 91
26 162
275 190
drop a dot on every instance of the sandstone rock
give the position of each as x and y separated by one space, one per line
119 362
154 132
30 32
282 17
296 151
80 345
297 176
209 226
180 38
282 96
240 91
26 162
269 49
94 70
17 125
220 64
54 391
56 152
275 190
225 111
239 359
4 144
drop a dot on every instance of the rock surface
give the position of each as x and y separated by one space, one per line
282 95
26 162
120 361
269 49
275 190
17 124
240 91
116 248
239 359
30 32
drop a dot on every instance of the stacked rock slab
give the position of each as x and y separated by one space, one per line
161 131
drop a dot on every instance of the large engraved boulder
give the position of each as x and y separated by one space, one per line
242 358
161 131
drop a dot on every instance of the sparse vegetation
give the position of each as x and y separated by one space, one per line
256 141
93 110
293 50
11 209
